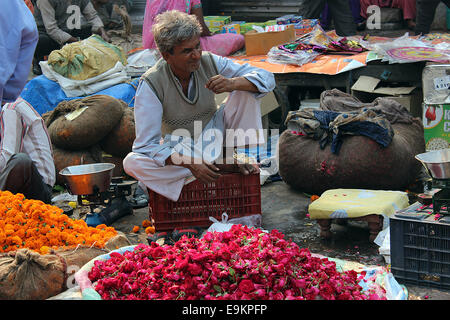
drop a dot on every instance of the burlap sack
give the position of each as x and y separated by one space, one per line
66 158
361 163
81 123
28 275
119 141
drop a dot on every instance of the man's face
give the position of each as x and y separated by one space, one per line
185 57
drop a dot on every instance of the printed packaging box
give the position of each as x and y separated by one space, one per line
216 21
436 124
231 28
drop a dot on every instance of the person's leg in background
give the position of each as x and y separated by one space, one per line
83 33
342 17
311 9
425 14
325 18
21 176
408 8
355 8
44 46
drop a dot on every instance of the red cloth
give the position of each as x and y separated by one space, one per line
408 7
29 5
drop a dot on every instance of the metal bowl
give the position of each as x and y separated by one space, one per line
437 163
87 179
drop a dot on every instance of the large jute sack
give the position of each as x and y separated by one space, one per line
66 158
86 59
28 275
361 162
119 141
80 123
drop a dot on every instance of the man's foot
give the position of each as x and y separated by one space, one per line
140 198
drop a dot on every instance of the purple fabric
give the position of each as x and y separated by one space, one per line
355 7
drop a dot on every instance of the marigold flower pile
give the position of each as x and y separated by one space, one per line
32 224
243 263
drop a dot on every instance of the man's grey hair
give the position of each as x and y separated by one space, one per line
173 27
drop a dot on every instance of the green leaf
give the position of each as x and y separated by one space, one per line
217 288
58 188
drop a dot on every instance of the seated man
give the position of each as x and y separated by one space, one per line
59 22
26 159
175 101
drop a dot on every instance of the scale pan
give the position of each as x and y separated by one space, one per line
88 179
437 163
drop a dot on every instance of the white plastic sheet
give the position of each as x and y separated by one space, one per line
78 88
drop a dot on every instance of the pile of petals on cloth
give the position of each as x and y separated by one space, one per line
242 263
309 46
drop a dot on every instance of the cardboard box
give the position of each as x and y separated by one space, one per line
248 26
368 88
436 125
231 28
259 43
216 21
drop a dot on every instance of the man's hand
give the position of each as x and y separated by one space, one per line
205 172
72 39
104 35
219 84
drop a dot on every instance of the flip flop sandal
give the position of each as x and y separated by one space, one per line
189 232
139 201
159 235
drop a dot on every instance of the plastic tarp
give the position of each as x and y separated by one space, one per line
44 94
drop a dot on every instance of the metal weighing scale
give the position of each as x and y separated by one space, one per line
95 184
437 164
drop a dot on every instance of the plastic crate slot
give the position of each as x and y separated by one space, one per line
420 252
235 194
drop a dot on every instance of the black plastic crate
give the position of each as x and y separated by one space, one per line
420 251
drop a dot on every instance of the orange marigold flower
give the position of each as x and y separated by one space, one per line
32 224
150 229
146 223
135 229
44 249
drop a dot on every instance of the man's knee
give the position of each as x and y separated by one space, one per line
20 161
128 163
